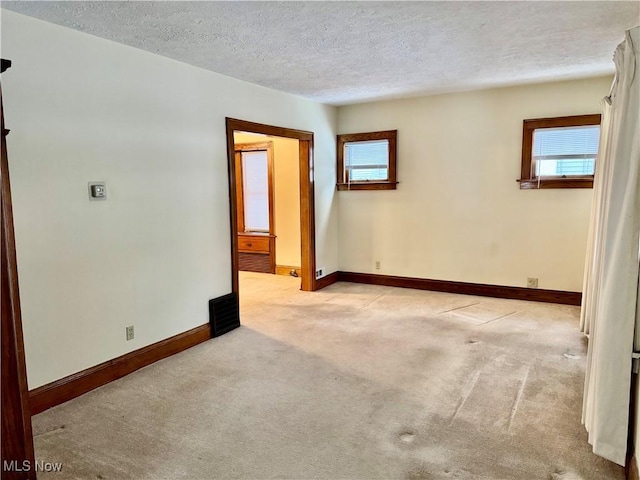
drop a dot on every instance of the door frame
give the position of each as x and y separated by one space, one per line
17 435
307 200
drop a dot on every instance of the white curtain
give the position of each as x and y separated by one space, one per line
610 294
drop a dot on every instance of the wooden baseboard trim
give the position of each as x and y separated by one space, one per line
515 293
632 469
72 386
326 281
286 270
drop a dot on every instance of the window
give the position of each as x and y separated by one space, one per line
254 187
367 161
560 152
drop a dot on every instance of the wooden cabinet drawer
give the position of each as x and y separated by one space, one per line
248 243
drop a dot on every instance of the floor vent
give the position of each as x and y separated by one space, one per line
224 314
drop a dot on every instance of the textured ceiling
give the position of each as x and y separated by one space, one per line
348 52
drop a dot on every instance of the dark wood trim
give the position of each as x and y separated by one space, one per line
73 386
516 293
272 253
390 183
233 203
272 200
569 121
307 217
556 183
239 192
307 200
527 179
631 470
17 435
253 147
273 131
327 280
366 136
367 186
631 465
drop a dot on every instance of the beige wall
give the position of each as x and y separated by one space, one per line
82 109
158 248
458 213
286 172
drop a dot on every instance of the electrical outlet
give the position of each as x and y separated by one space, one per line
377 264
532 282
319 272
130 334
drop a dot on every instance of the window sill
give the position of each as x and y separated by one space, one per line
257 234
535 184
367 186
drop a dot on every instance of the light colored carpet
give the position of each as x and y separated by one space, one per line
352 382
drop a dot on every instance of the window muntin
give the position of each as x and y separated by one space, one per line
367 161
559 152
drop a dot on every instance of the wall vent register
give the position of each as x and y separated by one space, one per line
224 314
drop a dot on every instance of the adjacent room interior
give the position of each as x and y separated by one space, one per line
415 231
268 204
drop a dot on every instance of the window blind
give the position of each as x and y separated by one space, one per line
255 184
565 151
367 160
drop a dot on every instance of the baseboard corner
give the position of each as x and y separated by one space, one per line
326 281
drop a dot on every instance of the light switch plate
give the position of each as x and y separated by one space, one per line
97 191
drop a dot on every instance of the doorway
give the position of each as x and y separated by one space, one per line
307 211
255 202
